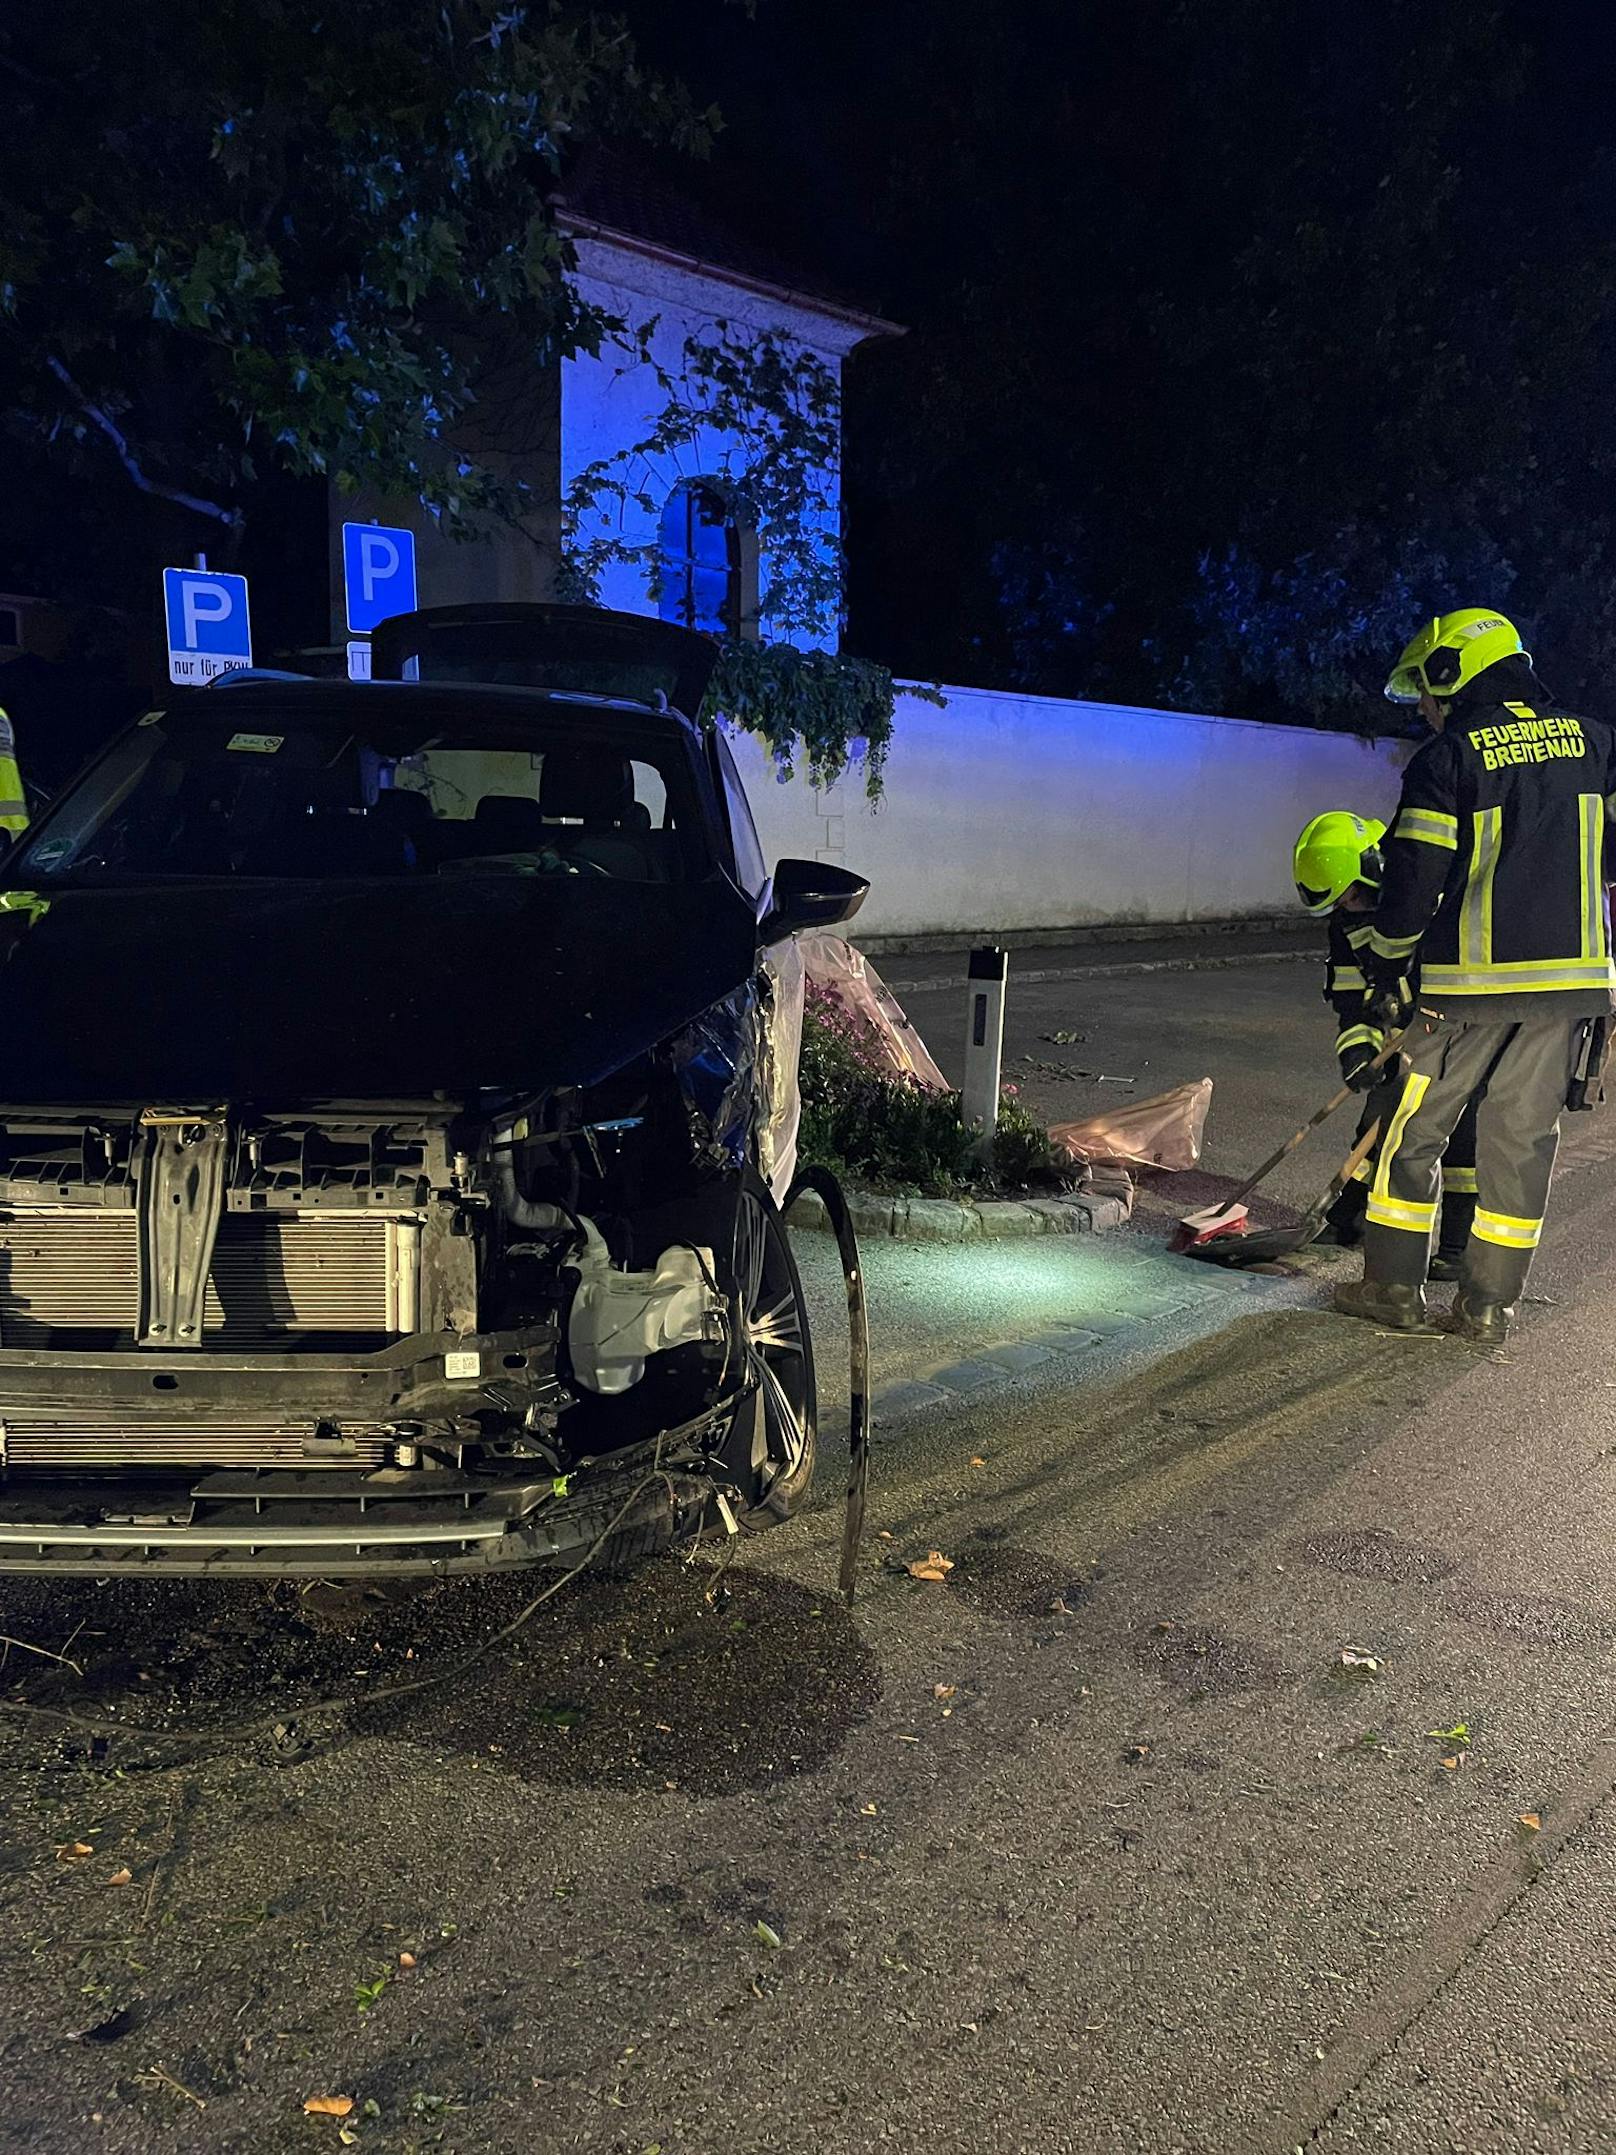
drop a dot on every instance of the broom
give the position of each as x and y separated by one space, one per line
1231 1217
1236 1251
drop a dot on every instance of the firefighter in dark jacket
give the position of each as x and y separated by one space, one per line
1495 884
1337 866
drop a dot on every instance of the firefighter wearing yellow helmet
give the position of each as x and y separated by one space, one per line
13 803
1494 887
1338 868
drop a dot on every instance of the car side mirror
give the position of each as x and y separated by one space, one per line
810 894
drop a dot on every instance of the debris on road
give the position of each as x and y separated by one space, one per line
766 1934
1357 1662
328 2106
934 1566
158 2076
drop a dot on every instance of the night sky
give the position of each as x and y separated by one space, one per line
1181 277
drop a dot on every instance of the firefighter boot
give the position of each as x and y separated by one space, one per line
1398 1309
1484 1324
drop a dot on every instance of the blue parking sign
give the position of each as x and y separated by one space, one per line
378 574
209 632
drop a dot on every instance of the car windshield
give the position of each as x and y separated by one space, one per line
271 794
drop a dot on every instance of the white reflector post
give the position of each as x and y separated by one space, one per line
984 1045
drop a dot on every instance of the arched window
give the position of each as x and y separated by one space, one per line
702 561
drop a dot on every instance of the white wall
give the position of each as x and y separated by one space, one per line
1007 813
608 403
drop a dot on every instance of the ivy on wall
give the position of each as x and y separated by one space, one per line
769 412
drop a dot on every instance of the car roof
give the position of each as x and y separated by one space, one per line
364 702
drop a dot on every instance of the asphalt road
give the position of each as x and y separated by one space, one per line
1096 1843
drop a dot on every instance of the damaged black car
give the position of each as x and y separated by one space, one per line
397 1094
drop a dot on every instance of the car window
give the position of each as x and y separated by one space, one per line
751 865
212 799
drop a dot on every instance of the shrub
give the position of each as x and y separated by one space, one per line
869 1127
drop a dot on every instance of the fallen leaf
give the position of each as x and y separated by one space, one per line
943 1691
1531 1821
766 1934
406 1960
867 1810
348 2137
977 1460
933 1566
124 1877
328 2106
74 1851
885 1534
1450 1765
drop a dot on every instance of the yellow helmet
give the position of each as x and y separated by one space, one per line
1451 652
1335 851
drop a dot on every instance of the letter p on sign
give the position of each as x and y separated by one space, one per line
378 574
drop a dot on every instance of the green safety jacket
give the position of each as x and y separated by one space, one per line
13 805
1496 863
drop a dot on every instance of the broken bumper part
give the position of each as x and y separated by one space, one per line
347 1528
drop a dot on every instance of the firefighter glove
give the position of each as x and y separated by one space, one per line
1358 1065
1389 1000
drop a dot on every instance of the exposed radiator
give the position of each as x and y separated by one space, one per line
66 1270
97 1436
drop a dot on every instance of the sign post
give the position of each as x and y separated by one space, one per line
209 631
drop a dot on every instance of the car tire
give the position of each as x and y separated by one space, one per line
774 1331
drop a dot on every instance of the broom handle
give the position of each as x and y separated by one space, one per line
1284 1152
1348 1168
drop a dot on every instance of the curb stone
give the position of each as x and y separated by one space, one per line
958 1219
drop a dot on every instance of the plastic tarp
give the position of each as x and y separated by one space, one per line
845 974
1164 1132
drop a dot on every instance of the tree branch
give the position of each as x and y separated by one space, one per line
94 412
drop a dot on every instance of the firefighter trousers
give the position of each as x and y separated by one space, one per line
1346 1215
1518 1075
